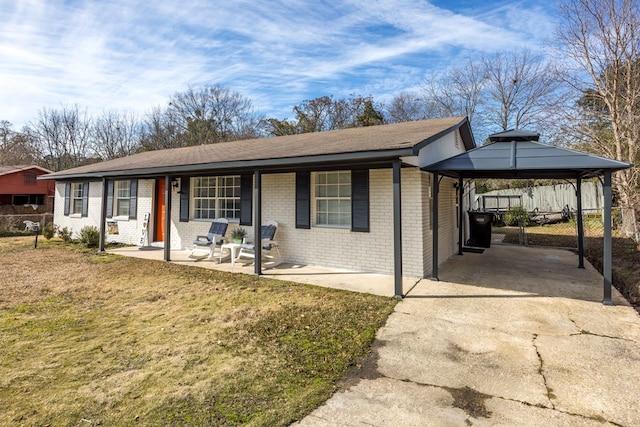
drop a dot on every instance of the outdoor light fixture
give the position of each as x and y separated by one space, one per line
175 184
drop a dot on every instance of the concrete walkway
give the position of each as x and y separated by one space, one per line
513 336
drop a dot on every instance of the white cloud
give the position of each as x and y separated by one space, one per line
129 55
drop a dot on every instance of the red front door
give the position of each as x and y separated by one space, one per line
160 210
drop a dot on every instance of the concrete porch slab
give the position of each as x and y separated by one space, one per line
356 281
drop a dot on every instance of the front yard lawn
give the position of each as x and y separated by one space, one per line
98 339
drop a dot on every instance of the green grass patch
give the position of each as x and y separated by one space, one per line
94 339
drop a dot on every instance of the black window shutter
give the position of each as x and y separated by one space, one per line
246 199
109 198
185 193
303 200
85 199
360 200
67 198
133 199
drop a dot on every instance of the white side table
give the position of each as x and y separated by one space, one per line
233 249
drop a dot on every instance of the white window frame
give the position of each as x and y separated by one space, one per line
332 199
76 198
122 198
215 197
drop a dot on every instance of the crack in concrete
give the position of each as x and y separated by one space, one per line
584 332
549 393
412 287
599 419
368 369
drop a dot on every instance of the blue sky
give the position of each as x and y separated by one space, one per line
133 55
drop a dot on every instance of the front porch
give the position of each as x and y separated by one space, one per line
356 281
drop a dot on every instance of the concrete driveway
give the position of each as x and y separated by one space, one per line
513 336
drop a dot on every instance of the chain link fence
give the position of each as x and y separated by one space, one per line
564 225
14 224
557 229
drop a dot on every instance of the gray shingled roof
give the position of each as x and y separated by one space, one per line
524 159
355 144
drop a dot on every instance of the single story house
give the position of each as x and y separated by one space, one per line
354 198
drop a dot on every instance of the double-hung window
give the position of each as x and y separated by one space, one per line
77 194
216 197
122 198
76 198
332 198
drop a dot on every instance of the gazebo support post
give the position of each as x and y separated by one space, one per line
397 230
606 256
460 213
434 222
580 224
167 218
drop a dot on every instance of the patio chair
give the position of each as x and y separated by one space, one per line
268 244
214 238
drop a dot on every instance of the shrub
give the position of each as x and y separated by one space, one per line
89 236
516 215
49 231
65 234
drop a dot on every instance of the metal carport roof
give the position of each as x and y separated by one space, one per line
526 159
517 154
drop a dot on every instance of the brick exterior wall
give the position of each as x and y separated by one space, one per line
332 247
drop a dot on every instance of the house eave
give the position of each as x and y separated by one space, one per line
465 131
289 164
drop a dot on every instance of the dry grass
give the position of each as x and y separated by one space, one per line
93 339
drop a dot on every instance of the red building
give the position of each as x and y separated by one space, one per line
21 192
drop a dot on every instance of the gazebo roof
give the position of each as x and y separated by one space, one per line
518 159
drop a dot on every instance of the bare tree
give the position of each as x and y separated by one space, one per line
499 92
16 148
326 113
601 40
159 131
213 114
520 86
406 106
63 136
115 135
458 92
